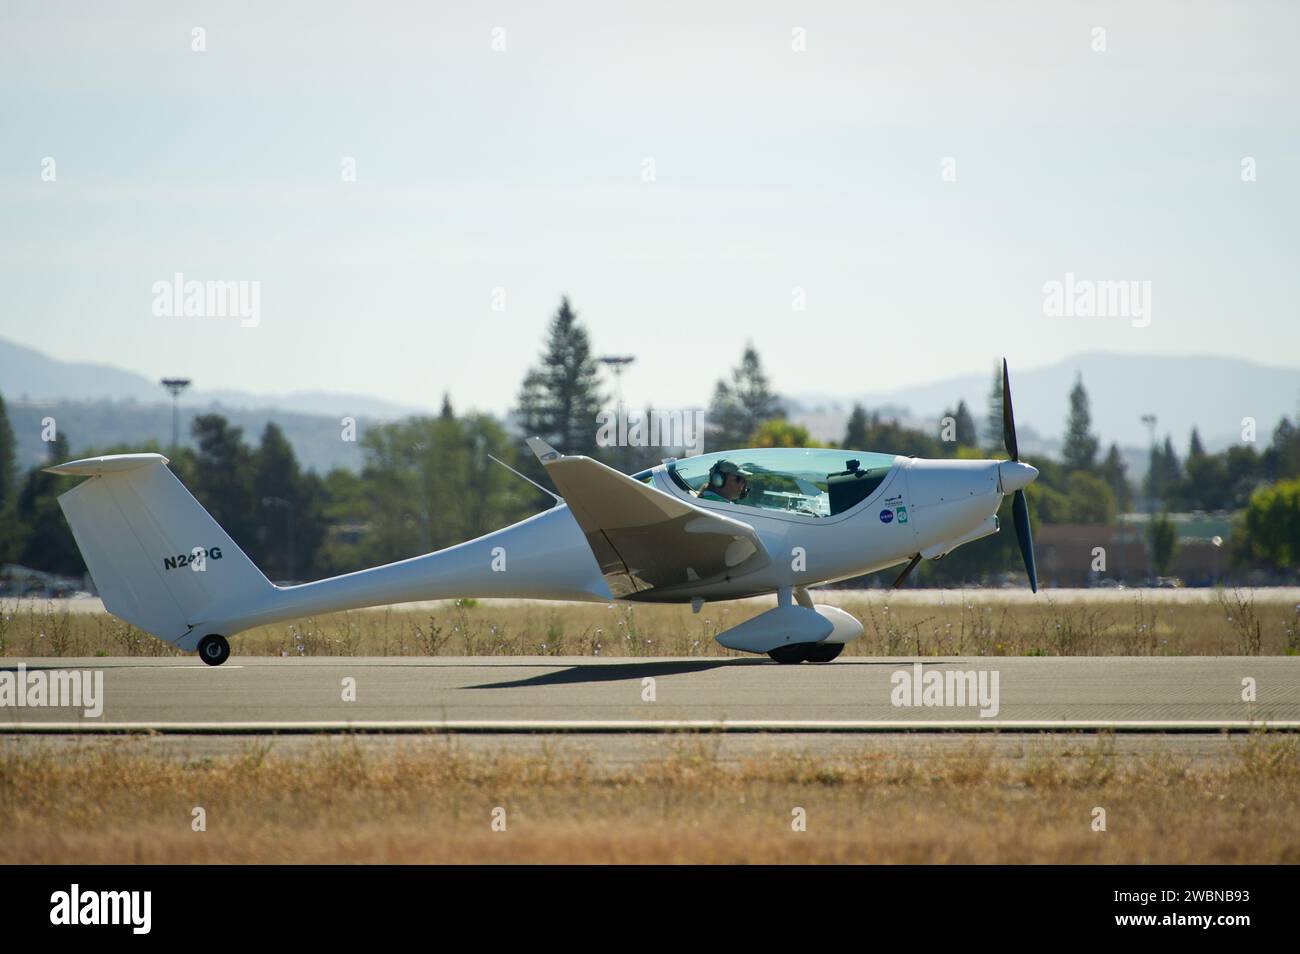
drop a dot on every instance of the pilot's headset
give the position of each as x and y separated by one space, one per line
718 477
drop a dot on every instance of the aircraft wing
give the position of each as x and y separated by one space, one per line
643 538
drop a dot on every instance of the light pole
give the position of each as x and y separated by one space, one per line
617 363
1150 421
175 386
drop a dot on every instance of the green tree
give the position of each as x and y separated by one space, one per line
8 458
429 483
1080 450
1164 474
1272 524
855 434
740 407
1244 475
1162 538
45 541
345 502
286 509
1046 505
1207 484
8 485
966 433
1115 473
993 414
560 398
1282 458
222 478
779 432
1091 499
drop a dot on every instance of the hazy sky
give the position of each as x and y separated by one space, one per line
525 170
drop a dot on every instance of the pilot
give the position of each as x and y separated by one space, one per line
727 482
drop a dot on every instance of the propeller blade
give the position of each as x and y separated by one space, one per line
916 558
1008 415
1020 512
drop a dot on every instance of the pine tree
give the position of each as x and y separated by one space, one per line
46 542
1195 449
993 417
1080 450
1165 474
739 408
9 529
1173 469
1282 457
855 435
560 399
966 435
8 458
222 478
1162 538
280 507
1114 472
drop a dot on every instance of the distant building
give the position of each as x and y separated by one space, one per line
23 581
1067 552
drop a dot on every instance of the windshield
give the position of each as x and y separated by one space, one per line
814 481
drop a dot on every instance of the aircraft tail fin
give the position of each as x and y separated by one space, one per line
157 557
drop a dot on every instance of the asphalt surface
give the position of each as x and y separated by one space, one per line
580 694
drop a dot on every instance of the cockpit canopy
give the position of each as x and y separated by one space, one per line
814 481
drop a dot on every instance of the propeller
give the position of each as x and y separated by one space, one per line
1022 476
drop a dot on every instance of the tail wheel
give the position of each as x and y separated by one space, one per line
214 649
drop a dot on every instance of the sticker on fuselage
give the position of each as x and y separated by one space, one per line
886 516
901 513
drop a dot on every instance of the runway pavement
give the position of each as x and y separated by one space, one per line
581 694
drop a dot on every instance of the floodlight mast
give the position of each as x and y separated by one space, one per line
617 363
175 386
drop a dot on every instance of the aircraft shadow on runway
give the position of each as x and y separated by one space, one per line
604 672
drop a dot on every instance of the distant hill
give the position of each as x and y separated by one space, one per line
27 376
1211 393
316 439
98 404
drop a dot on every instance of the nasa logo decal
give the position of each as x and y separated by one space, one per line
886 516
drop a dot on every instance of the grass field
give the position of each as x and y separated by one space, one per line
920 623
426 800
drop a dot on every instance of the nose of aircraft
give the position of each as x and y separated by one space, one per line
1014 475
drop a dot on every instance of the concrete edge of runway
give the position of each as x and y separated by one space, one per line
599 727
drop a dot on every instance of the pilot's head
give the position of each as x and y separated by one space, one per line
728 480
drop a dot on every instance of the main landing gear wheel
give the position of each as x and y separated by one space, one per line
806 652
213 649
823 652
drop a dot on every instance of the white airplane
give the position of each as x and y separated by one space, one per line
713 527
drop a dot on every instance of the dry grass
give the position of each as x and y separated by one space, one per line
984 623
428 801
